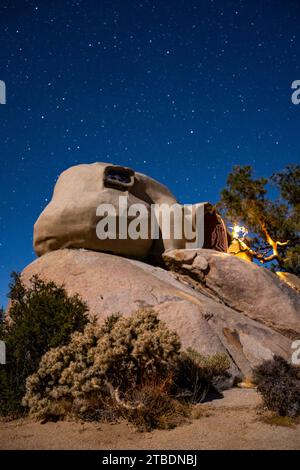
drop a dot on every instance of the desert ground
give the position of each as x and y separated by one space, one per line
231 422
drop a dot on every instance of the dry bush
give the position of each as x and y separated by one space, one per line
102 362
151 406
279 384
196 373
127 368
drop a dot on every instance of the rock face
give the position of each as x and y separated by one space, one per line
243 286
70 219
80 200
290 279
215 308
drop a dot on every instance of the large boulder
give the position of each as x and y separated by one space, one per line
242 286
77 215
204 318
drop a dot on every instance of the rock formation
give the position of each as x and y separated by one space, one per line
70 219
215 301
244 286
213 312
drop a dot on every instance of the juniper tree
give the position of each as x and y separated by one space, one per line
41 316
274 224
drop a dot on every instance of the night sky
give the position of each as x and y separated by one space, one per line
179 90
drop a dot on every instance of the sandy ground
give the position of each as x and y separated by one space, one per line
232 423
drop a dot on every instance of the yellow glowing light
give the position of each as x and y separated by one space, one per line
239 231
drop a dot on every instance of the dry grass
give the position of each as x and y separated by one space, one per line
273 419
156 408
200 411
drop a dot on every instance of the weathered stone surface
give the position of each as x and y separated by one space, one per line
200 263
71 219
111 284
290 279
247 288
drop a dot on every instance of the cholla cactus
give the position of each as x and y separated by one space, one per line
103 360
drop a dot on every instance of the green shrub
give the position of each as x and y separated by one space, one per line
41 316
196 373
279 384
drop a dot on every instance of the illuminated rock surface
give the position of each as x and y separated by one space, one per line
232 306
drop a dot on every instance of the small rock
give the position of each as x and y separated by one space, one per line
200 263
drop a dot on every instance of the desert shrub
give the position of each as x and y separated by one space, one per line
147 406
196 373
41 316
128 367
153 406
103 361
279 384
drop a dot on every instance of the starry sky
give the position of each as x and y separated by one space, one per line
181 90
